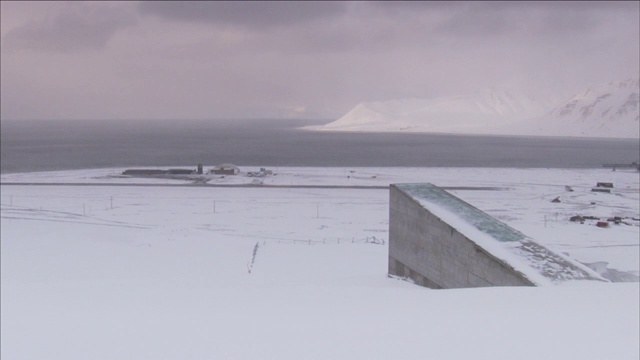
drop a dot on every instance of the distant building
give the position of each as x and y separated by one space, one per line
157 172
180 171
144 172
225 169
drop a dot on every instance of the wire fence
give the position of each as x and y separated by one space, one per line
336 240
366 240
318 207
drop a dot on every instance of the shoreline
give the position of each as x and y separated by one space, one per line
321 129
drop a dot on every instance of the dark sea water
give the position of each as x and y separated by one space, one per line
63 145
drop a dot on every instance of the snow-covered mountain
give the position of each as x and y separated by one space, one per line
489 107
610 110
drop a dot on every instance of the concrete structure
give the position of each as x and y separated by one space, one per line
225 169
439 241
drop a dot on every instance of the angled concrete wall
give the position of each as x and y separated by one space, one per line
432 253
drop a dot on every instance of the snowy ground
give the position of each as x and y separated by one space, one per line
106 272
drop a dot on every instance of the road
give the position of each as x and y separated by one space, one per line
355 187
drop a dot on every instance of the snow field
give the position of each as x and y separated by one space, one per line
163 272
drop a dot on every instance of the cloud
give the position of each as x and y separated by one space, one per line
244 14
269 59
79 27
487 19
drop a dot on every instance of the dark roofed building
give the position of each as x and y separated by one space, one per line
144 172
157 172
180 171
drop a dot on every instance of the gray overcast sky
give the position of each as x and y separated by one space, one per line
207 60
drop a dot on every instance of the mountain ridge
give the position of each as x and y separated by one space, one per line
609 110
